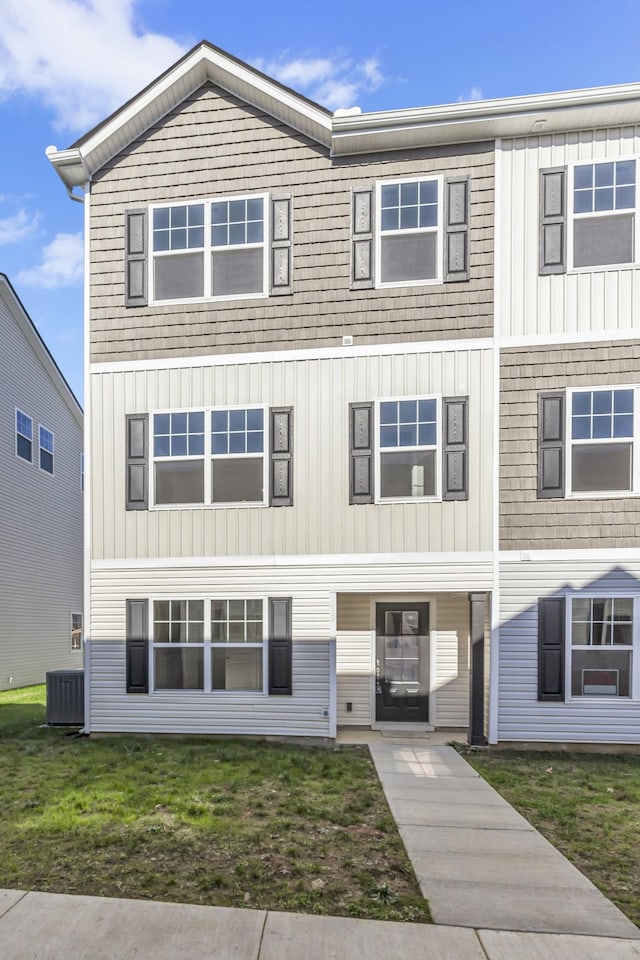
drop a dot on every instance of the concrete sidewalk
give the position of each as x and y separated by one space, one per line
47 926
478 862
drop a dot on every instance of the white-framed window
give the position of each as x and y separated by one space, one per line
602 641
24 436
76 637
602 431
213 645
46 449
213 249
210 457
408 452
603 208
409 231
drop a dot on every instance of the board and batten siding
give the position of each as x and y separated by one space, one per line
321 520
581 720
527 522
214 145
581 301
40 517
355 638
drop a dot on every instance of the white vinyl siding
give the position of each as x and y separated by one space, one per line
582 301
40 515
521 716
321 520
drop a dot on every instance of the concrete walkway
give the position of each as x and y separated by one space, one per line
48 926
478 862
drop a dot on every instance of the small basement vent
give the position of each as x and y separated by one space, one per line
65 698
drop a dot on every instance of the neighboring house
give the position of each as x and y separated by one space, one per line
40 505
317 346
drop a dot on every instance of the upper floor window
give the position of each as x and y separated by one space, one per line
409 232
209 249
408 449
602 438
46 450
24 436
209 457
604 213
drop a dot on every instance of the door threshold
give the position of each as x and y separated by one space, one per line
390 727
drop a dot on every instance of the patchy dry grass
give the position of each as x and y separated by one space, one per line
223 822
587 805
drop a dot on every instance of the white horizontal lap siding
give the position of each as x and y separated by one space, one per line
40 517
520 715
582 302
304 714
354 668
321 520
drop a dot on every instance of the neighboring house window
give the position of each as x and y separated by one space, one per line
602 434
601 646
209 457
236 645
408 449
46 450
76 632
208 645
604 213
409 232
24 436
209 249
178 635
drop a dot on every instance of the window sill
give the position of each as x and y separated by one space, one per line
239 695
264 295
395 285
598 268
163 507
600 495
383 500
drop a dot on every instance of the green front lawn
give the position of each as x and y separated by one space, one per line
223 822
587 805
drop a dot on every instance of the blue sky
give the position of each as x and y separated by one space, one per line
66 64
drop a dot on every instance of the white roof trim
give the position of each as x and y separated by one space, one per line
346 135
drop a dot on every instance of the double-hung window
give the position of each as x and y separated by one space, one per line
602 428
209 457
408 456
601 646
409 241
603 208
46 450
76 632
210 249
24 436
209 645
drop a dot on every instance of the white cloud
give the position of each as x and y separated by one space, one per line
82 58
336 81
62 264
16 228
474 94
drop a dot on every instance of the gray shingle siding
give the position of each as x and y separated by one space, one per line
213 144
525 521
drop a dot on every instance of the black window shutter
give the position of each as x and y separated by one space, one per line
137 646
280 646
551 444
137 426
456 218
135 267
362 270
281 246
455 454
361 452
551 648
281 460
553 220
